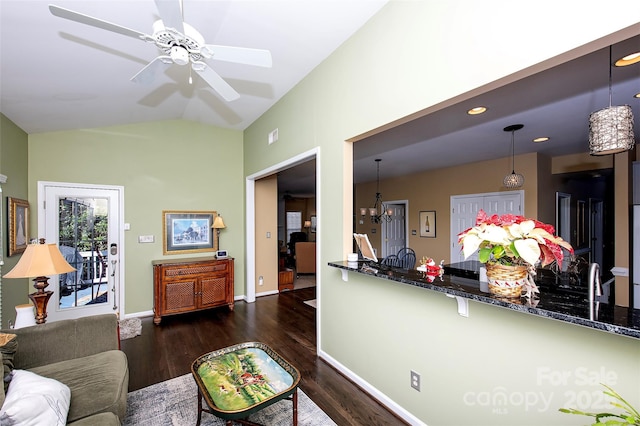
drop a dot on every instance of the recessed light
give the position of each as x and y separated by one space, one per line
634 58
542 139
477 110
637 95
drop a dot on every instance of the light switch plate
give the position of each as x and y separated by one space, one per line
145 238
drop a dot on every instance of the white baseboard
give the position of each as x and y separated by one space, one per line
267 293
374 392
142 314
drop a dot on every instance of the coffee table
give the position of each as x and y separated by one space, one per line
242 379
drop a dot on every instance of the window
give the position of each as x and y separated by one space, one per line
294 223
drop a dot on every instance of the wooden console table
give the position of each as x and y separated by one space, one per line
192 284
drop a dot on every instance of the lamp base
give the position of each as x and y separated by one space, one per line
24 316
40 301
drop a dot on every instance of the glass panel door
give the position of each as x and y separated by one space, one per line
84 222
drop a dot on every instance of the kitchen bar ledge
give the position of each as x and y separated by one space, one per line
552 303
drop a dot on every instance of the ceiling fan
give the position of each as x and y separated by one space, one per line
181 44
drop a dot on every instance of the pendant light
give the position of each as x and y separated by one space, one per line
513 180
611 129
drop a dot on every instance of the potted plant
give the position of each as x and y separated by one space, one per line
629 415
512 246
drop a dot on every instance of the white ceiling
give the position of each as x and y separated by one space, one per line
58 74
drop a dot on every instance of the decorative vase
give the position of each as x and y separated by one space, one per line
506 281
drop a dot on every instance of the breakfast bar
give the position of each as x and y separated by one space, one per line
555 301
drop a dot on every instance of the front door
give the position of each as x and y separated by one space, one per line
84 221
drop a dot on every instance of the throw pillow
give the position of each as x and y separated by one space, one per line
35 400
8 347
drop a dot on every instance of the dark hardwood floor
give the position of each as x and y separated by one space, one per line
281 321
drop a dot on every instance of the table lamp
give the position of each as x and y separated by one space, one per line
218 224
39 260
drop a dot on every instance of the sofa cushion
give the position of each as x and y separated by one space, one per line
101 419
8 347
98 383
35 400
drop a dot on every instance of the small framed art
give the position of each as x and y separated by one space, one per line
428 224
188 232
18 225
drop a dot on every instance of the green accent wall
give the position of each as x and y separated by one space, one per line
13 164
496 367
169 165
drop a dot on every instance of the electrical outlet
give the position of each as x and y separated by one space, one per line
415 380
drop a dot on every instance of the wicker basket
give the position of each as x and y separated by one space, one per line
506 281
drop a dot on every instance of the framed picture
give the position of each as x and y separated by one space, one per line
313 223
428 224
188 232
18 225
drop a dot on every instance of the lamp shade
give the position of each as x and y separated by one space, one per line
513 180
218 223
611 130
307 224
40 260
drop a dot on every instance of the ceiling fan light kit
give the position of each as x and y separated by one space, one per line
181 42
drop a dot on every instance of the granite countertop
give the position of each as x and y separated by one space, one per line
558 302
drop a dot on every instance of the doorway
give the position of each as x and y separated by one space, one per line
465 208
85 222
252 212
394 233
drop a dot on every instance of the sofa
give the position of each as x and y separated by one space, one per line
306 258
84 360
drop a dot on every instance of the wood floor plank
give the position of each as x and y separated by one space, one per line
282 321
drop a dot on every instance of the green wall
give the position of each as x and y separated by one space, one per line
13 164
170 165
408 58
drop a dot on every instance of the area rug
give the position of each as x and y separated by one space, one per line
174 403
130 327
311 302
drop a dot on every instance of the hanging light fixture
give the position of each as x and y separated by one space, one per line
611 129
378 205
513 180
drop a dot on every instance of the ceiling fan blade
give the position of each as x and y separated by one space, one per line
94 22
216 82
171 14
148 73
241 55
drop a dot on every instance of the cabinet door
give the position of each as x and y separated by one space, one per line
214 290
179 295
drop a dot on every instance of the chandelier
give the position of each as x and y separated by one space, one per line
378 206
513 180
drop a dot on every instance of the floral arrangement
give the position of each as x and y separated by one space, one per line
513 240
